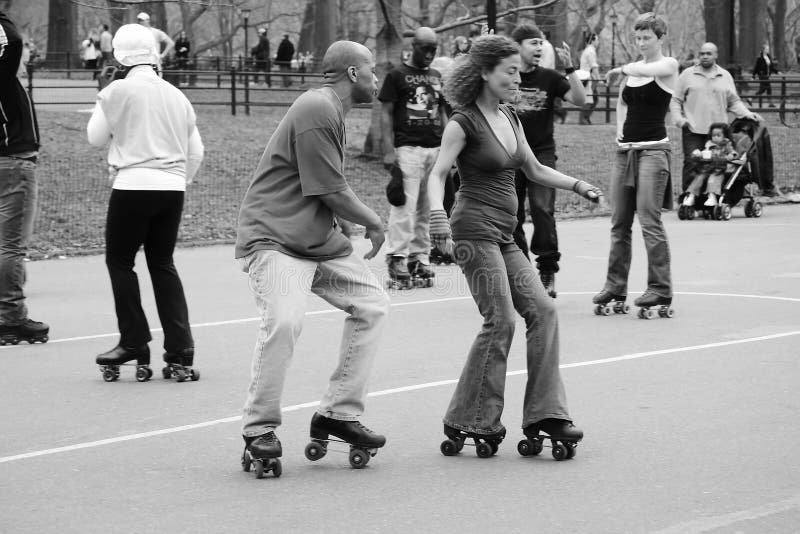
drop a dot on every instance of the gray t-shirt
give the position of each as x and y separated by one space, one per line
304 158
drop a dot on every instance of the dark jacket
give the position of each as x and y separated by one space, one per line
761 70
19 131
285 52
261 50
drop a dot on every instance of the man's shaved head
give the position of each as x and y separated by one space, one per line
343 54
707 55
424 35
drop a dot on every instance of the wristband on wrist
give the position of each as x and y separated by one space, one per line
575 186
569 70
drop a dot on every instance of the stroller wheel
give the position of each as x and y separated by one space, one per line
748 208
725 212
682 212
717 213
758 209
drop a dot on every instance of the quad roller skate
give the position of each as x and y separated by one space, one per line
421 275
111 361
438 257
30 331
364 443
606 302
548 279
399 277
652 305
563 436
261 453
486 445
179 366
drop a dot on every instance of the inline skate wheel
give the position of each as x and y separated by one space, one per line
483 449
358 458
559 452
449 447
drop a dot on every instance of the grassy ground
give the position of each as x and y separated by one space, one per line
74 189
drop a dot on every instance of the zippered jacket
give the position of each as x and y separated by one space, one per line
19 131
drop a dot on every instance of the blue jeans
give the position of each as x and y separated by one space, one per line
409 225
17 213
502 281
542 200
644 198
281 285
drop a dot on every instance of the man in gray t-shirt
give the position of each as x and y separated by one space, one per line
292 241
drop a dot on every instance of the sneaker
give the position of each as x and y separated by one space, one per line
688 200
711 200
772 193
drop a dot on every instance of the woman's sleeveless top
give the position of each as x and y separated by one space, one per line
486 202
648 105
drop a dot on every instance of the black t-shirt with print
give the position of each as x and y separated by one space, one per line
535 109
417 97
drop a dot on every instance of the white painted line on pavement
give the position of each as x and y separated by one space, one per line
172 430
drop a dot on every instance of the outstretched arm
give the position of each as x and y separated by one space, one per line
664 67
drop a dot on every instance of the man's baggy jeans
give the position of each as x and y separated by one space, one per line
17 213
281 285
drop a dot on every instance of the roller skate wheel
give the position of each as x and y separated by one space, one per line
314 451
276 467
483 450
682 212
109 375
598 309
641 314
652 314
690 213
669 313
358 458
142 374
259 465
459 444
525 447
559 452
572 449
181 375
606 310
449 447
495 445
166 372
247 461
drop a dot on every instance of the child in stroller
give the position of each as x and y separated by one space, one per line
722 173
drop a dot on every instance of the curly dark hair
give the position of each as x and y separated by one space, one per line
464 83
726 130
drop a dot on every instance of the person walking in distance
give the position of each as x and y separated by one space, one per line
487 141
106 50
291 240
764 67
412 117
19 151
539 87
260 54
588 63
640 179
704 94
154 150
284 59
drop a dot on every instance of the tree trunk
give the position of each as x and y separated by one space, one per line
779 34
117 17
324 25
752 33
553 20
718 16
389 54
61 32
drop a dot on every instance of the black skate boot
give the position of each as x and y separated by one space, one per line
399 277
111 361
179 365
28 330
652 305
563 436
364 443
262 453
549 282
421 275
606 302
486 445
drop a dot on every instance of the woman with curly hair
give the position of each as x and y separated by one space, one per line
485 139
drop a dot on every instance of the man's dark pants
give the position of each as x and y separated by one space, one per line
542 199
691 141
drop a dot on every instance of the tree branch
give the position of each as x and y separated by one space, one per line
479 18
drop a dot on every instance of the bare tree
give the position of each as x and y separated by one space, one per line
752 32
778 18
720 29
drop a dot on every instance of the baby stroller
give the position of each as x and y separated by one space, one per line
738 185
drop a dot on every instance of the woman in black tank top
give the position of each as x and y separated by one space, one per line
486 140
640 181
